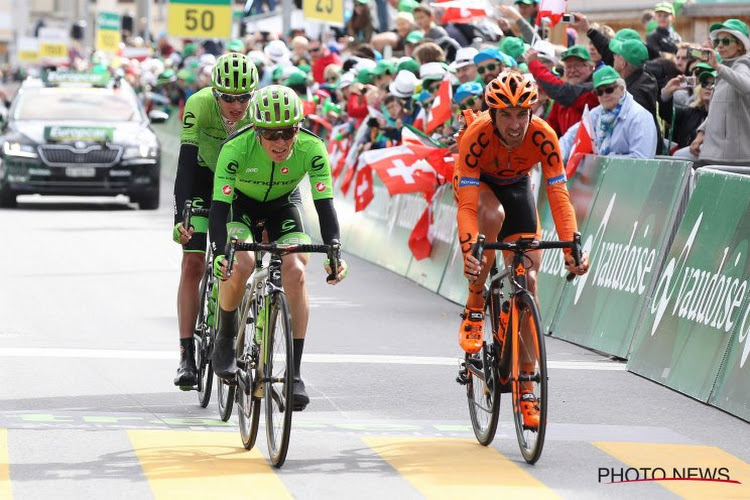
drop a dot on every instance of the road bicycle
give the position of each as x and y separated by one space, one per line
204 333
264 347
513 357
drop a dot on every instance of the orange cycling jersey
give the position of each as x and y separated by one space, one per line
483 157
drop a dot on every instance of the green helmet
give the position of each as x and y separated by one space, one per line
234 73
166 76
276 106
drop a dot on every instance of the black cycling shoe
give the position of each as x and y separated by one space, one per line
187 375
300 399
224 359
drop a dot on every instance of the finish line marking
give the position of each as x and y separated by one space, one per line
54 352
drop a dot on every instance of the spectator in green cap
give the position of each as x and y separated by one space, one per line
664 38
235 45
408 64
725 135
572 93
411 40
621 126
685 119
528 10
514 47
407 5
383 74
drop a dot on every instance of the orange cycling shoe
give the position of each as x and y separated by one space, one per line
530 410
470 334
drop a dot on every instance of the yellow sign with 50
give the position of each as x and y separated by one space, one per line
200 18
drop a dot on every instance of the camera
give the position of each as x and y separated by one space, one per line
698 54
688 82
568 19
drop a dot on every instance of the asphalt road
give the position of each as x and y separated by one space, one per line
88 409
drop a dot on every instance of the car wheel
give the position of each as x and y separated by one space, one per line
7 197
149 202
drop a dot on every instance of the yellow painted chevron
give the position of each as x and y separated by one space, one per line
458 468
192 464
683 457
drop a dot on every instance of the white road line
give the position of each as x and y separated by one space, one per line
50 352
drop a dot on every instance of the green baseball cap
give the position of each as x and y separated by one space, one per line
527 2
409 64
363 2
705 75
414 37
578 51
633 51
296 78
606 75
407 5
734 27
189 49
383 67
513 46
621 36
364 76
664 7
236 45
304 67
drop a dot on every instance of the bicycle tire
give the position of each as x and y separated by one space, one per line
225 398
530 440
248 407
483 386
277 392
203 336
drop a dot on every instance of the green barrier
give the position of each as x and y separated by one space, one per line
454 286
429 272
701 298
583 188
392 222
626 236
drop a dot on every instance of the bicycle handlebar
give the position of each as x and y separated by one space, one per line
522 245
189 210
333 252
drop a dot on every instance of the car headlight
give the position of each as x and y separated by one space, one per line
19 150
141 151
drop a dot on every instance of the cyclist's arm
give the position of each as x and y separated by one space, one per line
467 188
318 169
224 177
187 160
554 178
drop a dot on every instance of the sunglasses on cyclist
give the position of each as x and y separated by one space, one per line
605 90
230 98
468 103
724 41
490 67
274 134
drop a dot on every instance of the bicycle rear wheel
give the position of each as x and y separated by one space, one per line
529 378
248 407
278 379
227 390
203 340
483 387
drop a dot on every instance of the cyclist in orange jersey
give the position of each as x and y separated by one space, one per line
496 152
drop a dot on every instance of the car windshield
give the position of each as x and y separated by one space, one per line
89 104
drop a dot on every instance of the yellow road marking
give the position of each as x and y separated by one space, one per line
190 464
679 459
5 490
458 468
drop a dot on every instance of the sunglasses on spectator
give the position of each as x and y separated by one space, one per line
274 134
724 41
468 103
490 67
313 49
605 90
230 98
709 85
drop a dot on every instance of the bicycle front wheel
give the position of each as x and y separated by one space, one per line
203 339
279 369
226 398
483 387
529 386
248 406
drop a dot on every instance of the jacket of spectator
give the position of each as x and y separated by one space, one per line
570 100
727 126
663 40
319 64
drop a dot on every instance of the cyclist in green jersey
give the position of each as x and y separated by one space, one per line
210 116
257 174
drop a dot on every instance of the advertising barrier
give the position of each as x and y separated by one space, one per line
551 276
700 303
626 236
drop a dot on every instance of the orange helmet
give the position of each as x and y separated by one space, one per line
511 89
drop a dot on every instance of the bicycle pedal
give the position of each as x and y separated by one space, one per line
187 388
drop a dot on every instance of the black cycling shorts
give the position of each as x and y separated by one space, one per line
203 191
518 202
282 217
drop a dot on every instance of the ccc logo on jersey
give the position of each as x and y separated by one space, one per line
546 147
475 150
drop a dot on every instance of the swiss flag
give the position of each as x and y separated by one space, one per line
441 109
419 239
582 144
337 150
401 170
553 9
363 189
463 11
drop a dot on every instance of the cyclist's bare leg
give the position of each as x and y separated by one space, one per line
188 301
490 217
230 298
232 290
293 281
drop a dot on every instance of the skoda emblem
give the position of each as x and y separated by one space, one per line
80 144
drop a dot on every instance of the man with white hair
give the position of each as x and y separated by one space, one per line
464 66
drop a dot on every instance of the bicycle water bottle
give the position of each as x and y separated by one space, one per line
260 323
212 300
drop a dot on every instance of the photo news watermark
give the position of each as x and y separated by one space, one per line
612 475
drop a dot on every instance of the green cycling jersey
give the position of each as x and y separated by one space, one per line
244 166
204 127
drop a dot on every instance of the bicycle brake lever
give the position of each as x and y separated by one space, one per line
229 250
576 253
186 212
333 261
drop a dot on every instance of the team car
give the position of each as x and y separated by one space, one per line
79 134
